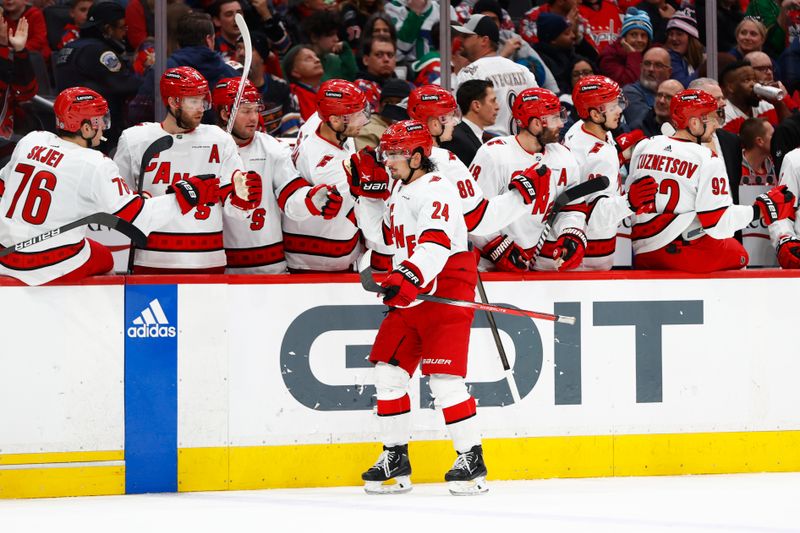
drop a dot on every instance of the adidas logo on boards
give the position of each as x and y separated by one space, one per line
151 323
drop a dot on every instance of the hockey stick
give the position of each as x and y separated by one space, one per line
104 219
156 147
573 193
501 351
248 59
369 284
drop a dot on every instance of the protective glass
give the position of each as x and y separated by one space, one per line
450 118
104 121
359 118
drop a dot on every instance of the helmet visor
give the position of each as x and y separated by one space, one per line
359 118
556 120
454 117
104 121
191 103
392 155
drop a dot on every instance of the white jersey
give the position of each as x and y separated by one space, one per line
316 243
49 183
693 196
483 217
789 176
194 241
605 209
254 245
424 226
509 80
499 160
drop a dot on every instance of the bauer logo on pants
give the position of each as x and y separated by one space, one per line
151 322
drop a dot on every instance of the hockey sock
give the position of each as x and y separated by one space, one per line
394 404
462 425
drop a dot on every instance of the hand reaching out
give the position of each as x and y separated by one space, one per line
17 39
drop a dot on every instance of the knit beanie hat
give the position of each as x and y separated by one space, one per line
684 20
550 26
636 19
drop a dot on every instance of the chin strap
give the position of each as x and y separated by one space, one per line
340 136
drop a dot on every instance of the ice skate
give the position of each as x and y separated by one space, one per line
468 475
391 473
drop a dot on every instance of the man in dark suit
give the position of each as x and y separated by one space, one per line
479 107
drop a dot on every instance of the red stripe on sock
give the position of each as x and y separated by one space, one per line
394 407
460 411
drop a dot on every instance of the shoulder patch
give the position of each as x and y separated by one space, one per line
324 161
596 148
110 60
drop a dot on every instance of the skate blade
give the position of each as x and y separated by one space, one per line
401 485
468 488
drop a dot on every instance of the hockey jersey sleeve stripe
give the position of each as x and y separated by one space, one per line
709 219
45 258
578 208
460 411
319 246
132 209
184 242
435 236
474 217
380 262
256 256
399 406
289 189
601 247
387 235
2 188
652 227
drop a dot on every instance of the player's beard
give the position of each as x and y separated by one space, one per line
549 136
185 122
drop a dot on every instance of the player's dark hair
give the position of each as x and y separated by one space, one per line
193 29
426 164
469 91
752 129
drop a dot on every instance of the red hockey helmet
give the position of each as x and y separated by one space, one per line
406 136
225 91
339 97
690 103
430 101
535 102
593 91
182 82
75 105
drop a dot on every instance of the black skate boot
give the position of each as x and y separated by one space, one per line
468 475
393 464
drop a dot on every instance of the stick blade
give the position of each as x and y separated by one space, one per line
137 236
156 147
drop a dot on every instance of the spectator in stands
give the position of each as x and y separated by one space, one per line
584 41
772 14
381 25
413 20
764 69
17 80
78 12
478 104
785 139
737 81
603 18
280 116
380 60
750 37
659 114
514 47
756 137
723 143
262 19
96 61
300 10
622 60
14 10
303 70
641 95
141 21
660 13
556 47
729 15
789 63
685 49
581 67
387 113
338 60
354 18
223 13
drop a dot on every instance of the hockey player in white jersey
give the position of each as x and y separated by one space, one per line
254 244
599 102
785 234
316 245
425 226
437 110
193 244
694 220
540 118
481 41
55 179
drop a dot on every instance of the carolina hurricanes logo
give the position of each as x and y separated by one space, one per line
324 161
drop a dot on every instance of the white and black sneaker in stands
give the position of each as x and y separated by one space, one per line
391 473
468 475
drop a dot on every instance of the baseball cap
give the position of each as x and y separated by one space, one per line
480 25
103 13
